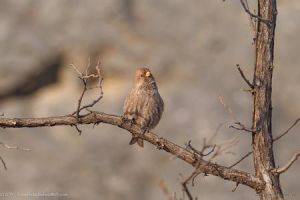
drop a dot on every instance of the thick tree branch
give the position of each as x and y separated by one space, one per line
189 157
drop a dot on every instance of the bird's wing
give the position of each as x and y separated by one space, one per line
130 105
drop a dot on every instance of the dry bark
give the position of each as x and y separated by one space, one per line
262 141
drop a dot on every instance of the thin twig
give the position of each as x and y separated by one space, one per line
78 129
81 97
244 77
163 186
288 165
267 22
3 163
212 138
76 69
204 147
274 140
236 186
84 78
224 146
88 66
185 187
287 131
242 127
215 151
227 108
240 160
253 22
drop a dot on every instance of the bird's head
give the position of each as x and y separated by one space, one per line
143 77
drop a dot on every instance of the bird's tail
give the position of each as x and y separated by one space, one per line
139 141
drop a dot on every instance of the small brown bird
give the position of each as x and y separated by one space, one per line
144 105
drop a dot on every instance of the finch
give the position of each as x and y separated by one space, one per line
144 105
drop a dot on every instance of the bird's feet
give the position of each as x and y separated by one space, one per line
145 130
127 120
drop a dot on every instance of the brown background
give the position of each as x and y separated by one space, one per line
191 46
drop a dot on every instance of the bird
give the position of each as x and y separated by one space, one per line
143 106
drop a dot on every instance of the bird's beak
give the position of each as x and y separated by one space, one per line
148 74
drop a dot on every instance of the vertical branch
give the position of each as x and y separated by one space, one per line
262 109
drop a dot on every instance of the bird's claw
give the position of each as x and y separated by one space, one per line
145 130
126 120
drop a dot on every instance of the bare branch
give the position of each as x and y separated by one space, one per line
244 77
182 153
287 131
288 165
84 78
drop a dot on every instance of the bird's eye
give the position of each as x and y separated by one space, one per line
141 75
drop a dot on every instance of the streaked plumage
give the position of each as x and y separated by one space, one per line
144 105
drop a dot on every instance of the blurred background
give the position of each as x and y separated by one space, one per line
191 47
